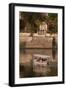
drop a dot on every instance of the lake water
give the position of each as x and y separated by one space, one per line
28 67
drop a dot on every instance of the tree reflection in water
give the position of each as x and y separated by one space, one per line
54 48
54 52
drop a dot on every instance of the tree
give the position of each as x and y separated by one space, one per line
34 19
52 23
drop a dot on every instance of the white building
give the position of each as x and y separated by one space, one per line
42 28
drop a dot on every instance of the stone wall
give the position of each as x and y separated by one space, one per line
37 41
40 42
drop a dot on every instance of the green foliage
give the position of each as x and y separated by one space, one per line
35 19
52 23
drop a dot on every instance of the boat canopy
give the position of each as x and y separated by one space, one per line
42 56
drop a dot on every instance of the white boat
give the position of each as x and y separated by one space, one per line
41 60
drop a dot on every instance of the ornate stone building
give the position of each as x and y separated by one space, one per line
42 29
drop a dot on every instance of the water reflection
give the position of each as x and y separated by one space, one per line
28 68
54 53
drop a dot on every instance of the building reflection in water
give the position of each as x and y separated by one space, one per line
29 69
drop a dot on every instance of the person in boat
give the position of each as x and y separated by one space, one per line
41 59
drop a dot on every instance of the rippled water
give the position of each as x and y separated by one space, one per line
29 69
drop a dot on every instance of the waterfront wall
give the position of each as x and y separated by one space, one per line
37 41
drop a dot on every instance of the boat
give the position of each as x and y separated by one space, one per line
40 60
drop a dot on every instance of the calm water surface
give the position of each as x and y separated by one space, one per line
28 67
